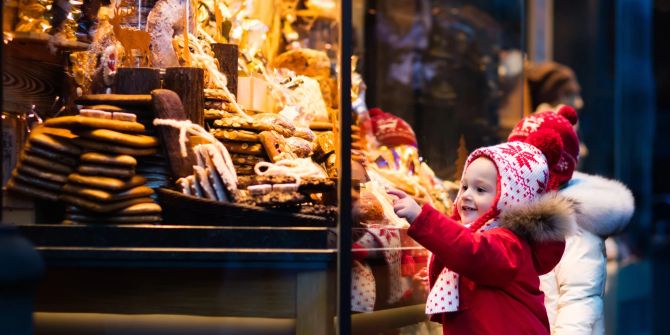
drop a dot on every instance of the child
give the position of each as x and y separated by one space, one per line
502 236
574 289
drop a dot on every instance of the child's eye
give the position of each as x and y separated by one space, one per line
464 187
480 190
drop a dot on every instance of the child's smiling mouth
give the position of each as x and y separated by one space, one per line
468 208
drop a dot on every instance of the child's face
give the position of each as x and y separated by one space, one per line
478 190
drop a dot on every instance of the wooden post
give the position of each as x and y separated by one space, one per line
227 55
136 80
188 83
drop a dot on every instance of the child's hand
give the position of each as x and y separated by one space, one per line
405 206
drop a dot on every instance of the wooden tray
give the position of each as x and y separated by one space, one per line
181 209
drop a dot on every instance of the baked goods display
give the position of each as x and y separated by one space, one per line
89 161
275 148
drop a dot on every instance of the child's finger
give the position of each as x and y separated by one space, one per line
398 193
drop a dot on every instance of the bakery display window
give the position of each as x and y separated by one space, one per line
431 81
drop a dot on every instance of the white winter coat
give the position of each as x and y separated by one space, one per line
574 289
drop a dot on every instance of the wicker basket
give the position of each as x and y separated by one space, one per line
181 209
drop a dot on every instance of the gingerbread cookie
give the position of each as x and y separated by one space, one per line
244 148
28 170
61 133
243 170
260 122
31 190
78 122
103 207
65 159
46 164
93 145
105 171
98 195
115 137
106 183
239 159
235 135
37 182
45 141
106 159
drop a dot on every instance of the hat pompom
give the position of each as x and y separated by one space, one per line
569 113
549 142
375 112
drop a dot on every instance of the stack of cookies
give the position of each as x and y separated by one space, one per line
48 157
153 167
259 139
216 104
105 187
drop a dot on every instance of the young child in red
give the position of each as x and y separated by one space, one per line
503 234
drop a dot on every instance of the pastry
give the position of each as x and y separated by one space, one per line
325 145
300 147
308 62
275 146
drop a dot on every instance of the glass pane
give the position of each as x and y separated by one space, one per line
441 78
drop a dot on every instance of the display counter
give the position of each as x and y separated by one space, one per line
165 279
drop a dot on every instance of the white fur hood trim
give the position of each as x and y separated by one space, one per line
603 206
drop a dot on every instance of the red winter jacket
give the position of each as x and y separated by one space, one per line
499 268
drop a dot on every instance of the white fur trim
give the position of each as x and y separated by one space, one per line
604 206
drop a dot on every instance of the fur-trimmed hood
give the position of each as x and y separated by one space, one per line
544 223
549 218
602 206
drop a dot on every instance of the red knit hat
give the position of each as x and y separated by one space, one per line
391 130
534 128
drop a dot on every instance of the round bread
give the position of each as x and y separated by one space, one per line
371 209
